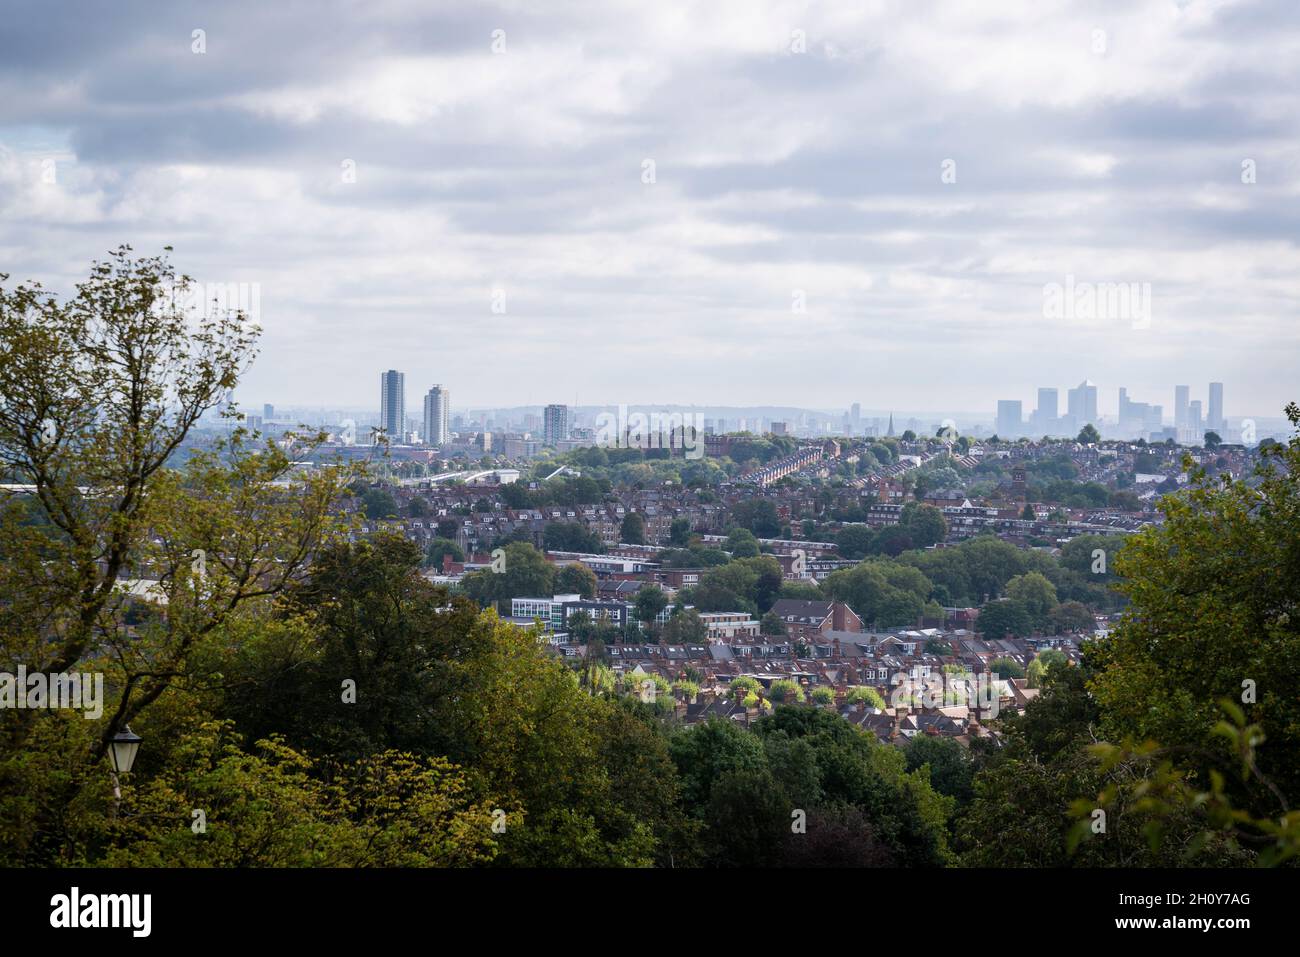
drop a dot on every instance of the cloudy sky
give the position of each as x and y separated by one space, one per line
731 201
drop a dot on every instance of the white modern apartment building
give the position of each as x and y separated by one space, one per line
437 416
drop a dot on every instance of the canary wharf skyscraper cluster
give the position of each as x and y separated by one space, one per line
1134 419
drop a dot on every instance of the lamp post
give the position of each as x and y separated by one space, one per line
122 751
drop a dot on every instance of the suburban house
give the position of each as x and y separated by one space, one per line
813 619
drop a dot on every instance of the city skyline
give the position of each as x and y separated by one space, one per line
553 423
1093 407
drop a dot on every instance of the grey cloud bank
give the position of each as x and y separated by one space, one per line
1103 141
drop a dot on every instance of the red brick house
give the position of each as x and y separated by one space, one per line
812 619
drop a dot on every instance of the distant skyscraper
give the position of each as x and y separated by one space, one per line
891 425
268 412
1214 421
1137 419
1010 418
555 424
1049 409
392 404
1082 401
1181 393
1195 427
437 412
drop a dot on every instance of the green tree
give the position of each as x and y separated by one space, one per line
882 592
1092 557
632 531
685 628
379 504
704 752
741 543
274 808
439 550
785 691
576 578
1028 793
868 696
951 770
525 573
1071 616
759 516
649 602
1213 591
903 809
1035 594
99 395
1006 668
571 537
1005 618
855 541
679 532
924 524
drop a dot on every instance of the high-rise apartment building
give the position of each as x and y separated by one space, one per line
1214 420
268 412
555 424
392 405
437 415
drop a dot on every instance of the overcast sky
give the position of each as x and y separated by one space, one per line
915 174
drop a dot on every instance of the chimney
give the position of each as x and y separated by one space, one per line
838 620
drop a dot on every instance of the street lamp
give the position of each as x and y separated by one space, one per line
124 747
122 751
